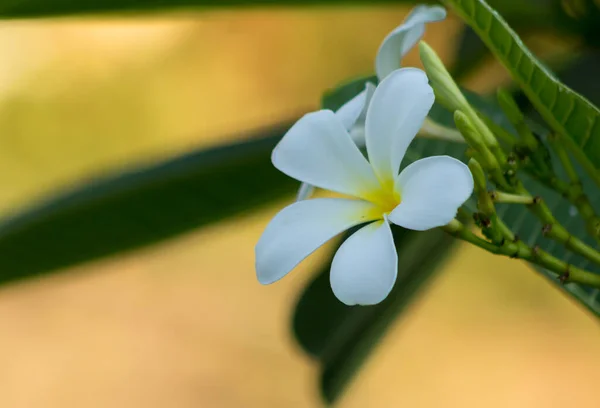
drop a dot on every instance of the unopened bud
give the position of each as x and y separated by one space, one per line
478 175
446 90
474 139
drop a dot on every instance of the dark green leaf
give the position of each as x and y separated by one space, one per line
340 336
581 75
520 11
143 206
471 53
41 8
567 112
334 98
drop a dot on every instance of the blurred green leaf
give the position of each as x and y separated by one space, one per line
143 206
520 11
581 75
341 336
567 112
471 53
41 8
334 98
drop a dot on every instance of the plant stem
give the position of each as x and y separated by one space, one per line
496 164
502 197
554 230
434 130
566 272
573 191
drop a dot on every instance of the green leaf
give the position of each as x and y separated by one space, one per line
143 206
334 98
471 53
41 8
340 336
567 112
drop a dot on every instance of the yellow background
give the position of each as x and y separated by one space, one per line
185 323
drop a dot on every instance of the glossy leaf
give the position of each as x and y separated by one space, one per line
143 206
567 112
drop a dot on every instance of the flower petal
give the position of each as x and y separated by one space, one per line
299 229
305 191
353 113
318 150
431 191
396 112
397 43
364 268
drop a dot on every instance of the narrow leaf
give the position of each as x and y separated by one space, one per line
567 112
143 206
41 8
341 337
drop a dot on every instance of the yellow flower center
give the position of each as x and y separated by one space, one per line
385 198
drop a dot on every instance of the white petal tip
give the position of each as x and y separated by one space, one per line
364 268
432 190
264 281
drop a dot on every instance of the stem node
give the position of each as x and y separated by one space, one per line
564 277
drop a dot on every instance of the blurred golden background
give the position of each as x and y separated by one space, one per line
185 323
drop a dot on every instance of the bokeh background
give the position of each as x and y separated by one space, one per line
185 323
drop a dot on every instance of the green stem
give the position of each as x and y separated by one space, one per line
492 163
554 230
477 135
502 197
566 272
573 191
434 130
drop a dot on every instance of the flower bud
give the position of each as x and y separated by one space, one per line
446 90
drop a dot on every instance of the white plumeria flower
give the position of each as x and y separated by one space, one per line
318 150
393 48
